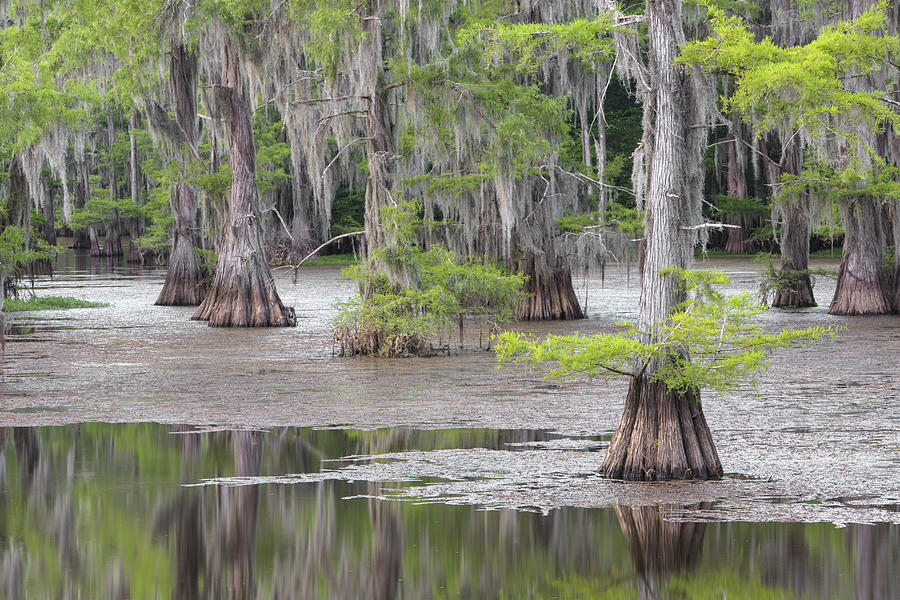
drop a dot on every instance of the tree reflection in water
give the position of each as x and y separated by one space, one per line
102 511
659 547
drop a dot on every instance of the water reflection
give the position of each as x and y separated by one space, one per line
97 510
659 548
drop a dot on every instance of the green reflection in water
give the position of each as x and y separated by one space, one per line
98 510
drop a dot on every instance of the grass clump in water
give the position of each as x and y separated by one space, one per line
48 303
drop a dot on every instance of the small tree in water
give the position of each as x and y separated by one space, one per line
709 341
438 290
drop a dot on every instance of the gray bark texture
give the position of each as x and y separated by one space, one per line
861 285
795 289
662 433
862 288
736 184
185 271
80 237
243 292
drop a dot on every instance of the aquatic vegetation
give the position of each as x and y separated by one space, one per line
48 303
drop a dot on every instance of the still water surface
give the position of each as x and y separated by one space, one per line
114 511
421 478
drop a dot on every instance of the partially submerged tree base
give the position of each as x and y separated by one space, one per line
662 435
862 285
551 296
708 341
859 295
243 297
794 289
183 277
374 343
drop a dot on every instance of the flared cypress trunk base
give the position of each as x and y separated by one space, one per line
862 287
183 277
243 295
662 435
895 294
737 241
857 295
112 245
551 296
80 240
795 289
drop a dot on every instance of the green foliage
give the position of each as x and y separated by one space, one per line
802 87
733 206
530 45
709 341
273 155
391 320
333 27
778 279
348 211
334 259
18 249
48 303
618 217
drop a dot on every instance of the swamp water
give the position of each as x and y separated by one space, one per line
251 463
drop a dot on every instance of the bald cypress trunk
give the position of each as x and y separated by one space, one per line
80 237
861 285
185 271
135 253
663 433
112 244
862 288
794 285
738 238
551 294
243 292
895 292
48 229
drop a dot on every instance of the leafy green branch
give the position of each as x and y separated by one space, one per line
710 341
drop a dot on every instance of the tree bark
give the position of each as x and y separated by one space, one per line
112 244
94 239
135 254
738 238
243 292
47 209
663 433
861 285
81 237
795 284
895 293
184 275
862 288
551 294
